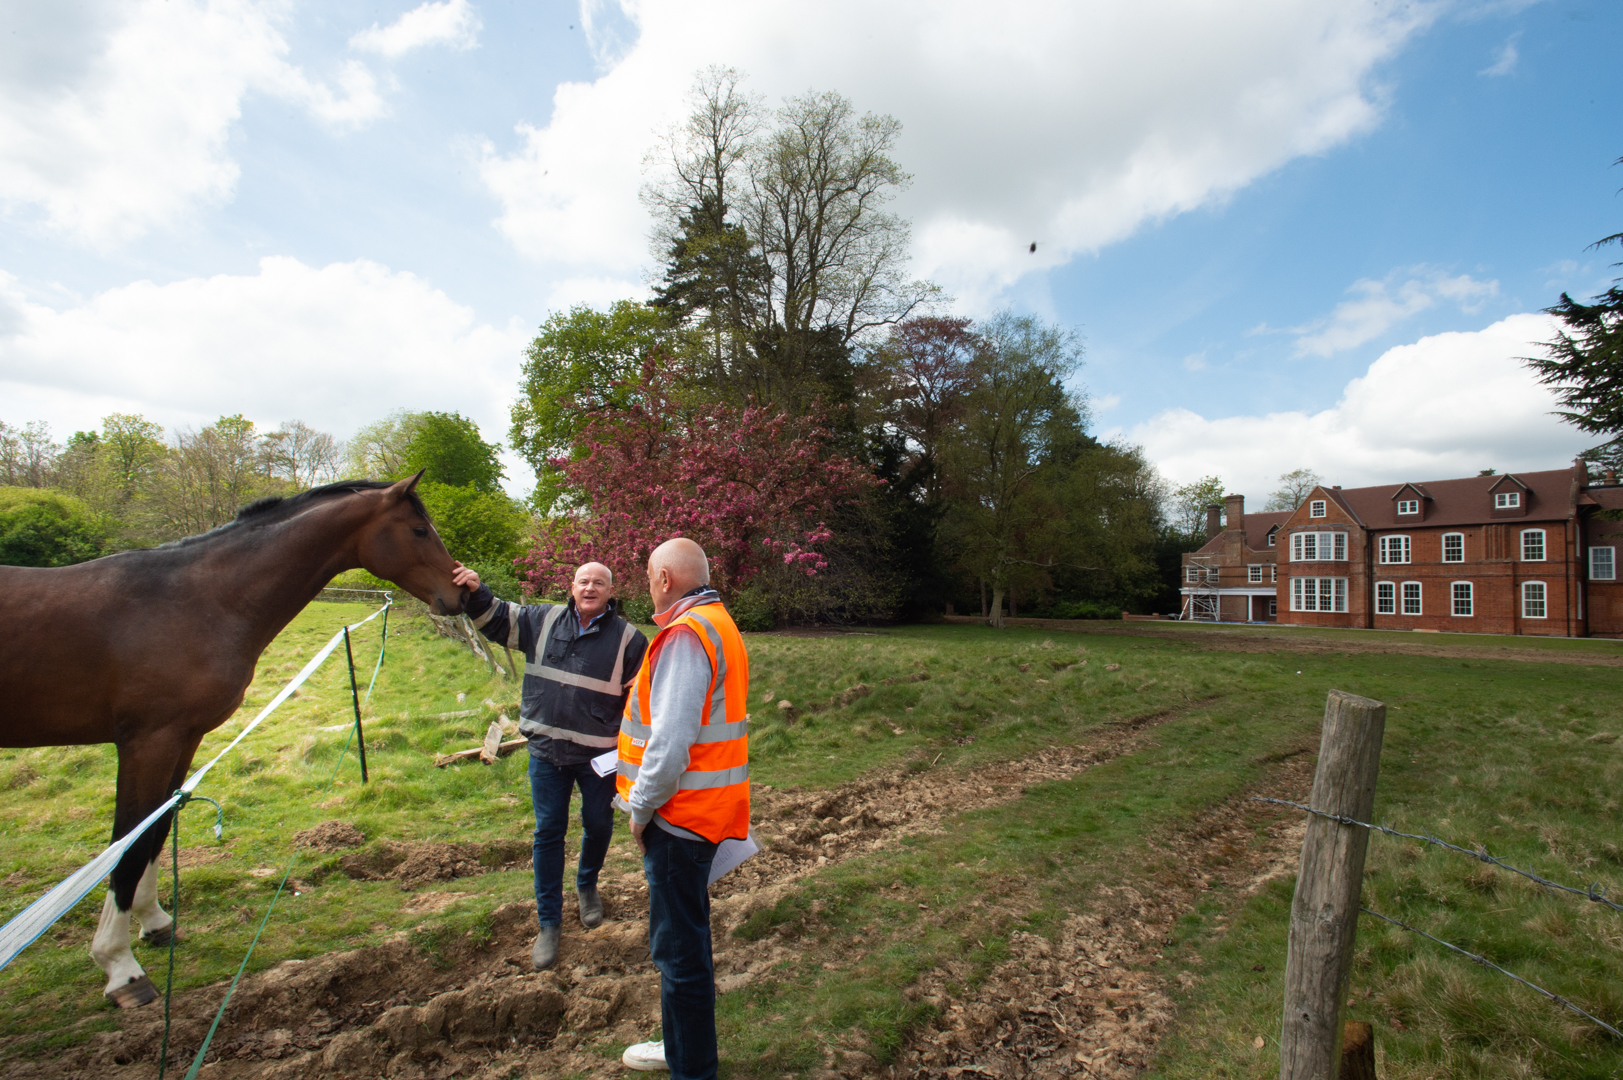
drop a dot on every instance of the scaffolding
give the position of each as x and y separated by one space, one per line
1201 595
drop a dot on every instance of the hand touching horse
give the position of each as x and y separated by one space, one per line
151 650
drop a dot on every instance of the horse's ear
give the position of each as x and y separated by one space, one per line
403 488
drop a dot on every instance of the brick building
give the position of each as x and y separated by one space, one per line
1234 578
1522 553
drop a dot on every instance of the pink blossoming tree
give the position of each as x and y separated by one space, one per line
751 485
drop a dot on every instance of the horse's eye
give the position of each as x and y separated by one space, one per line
420 531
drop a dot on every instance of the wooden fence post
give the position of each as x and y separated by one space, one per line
1324 913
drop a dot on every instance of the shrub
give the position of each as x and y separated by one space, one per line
41 527
1084 609
752 610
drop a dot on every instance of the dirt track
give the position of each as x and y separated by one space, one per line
1093 1005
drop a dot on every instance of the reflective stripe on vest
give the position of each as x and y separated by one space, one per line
614 685
712 798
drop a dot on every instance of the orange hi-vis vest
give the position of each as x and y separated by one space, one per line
714 797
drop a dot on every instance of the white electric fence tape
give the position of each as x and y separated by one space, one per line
37 917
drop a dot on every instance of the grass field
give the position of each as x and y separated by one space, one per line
1512 743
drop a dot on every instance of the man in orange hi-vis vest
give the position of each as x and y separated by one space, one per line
684 777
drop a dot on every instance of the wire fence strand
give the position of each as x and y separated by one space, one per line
1594 892
1485 962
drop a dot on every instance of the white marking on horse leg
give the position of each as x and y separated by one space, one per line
153 919
110 948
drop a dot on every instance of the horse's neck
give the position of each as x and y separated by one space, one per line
274 570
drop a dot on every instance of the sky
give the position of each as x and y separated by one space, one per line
1291 234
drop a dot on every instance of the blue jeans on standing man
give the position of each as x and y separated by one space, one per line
550 788
678 873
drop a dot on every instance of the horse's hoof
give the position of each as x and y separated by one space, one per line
135 993
159 938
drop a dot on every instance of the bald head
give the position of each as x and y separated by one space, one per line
675 567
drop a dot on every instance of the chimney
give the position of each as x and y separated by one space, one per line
1213 521
1580 472
1235 512
1611 477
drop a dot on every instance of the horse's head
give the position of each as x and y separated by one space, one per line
400 544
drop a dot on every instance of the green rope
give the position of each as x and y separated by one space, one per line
182 798
197 1062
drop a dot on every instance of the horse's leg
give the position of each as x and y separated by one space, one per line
156 923
145 769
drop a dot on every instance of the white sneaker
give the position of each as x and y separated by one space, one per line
646 1057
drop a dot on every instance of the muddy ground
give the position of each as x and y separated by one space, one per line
1094 1004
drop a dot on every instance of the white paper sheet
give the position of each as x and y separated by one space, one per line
729 853
605 764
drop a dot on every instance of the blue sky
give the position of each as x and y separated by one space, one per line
1292 234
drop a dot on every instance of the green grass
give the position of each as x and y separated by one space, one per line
1505 752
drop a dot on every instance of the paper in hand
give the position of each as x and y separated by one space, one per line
605 764
729 853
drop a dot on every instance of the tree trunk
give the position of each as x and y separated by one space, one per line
1014 611
983 597
997 607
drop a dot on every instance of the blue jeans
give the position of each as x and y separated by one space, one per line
679 939
550 788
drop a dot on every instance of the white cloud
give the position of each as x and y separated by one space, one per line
1377 306
119 124
1071 125
452 23
336 346
1505 62
1448 405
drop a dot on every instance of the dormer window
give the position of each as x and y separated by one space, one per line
1507 500
1316 508
1273 535
1408 506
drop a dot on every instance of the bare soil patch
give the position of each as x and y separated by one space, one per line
1094 1004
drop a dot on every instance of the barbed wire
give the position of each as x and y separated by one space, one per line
1485 962
1594 892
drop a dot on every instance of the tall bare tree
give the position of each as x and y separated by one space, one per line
1294 486
300 454
206 477
27 455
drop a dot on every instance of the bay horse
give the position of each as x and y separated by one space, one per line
150 650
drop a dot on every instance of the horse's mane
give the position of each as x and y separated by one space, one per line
280 508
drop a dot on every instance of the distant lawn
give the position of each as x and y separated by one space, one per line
1520 755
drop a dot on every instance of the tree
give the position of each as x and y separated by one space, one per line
1188 507
205 478
378 450
47 528
448 448
27 455
1010 456
301 455
922 374
483 527
750 485
1294 486
777 241
582 361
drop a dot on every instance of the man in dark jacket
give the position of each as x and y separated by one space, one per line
580 660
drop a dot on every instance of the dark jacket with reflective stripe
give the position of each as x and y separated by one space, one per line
575 684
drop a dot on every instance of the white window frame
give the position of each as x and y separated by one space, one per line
1543 545
1273 573
1535 607
1386 598
1407 591
1191 574
1459 539
1253 573
1603 567
1408 506
1326 547
1273 535
1317 508
1395 550
1327 594
1507 500
1456 597
1273 607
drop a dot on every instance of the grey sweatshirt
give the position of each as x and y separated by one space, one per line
678 697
